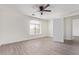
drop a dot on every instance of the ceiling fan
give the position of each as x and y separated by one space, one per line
43 7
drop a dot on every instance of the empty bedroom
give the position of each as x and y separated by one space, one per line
39 29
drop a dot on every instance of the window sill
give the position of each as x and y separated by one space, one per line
35 34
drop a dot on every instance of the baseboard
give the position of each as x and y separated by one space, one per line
25 38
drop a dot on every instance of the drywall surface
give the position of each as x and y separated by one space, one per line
67 29
14 26
71 27
75 27
51 28
44 27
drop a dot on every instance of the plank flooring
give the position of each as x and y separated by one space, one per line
42 46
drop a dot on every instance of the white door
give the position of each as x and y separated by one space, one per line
58 29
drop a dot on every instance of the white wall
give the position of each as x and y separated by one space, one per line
68 29
71 27
51 28
58 29
14 26
75 27
44 27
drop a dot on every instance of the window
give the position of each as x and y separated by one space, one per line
35 27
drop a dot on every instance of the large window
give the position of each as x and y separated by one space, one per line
35 28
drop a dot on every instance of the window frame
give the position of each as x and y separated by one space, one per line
35 31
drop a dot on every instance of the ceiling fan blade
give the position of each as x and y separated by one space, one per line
47 10
46 6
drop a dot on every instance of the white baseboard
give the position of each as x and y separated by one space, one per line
22 39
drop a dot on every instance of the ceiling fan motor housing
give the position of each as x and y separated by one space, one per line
41 8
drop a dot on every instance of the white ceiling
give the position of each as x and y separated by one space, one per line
58 10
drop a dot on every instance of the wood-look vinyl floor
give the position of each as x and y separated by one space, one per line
43 46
